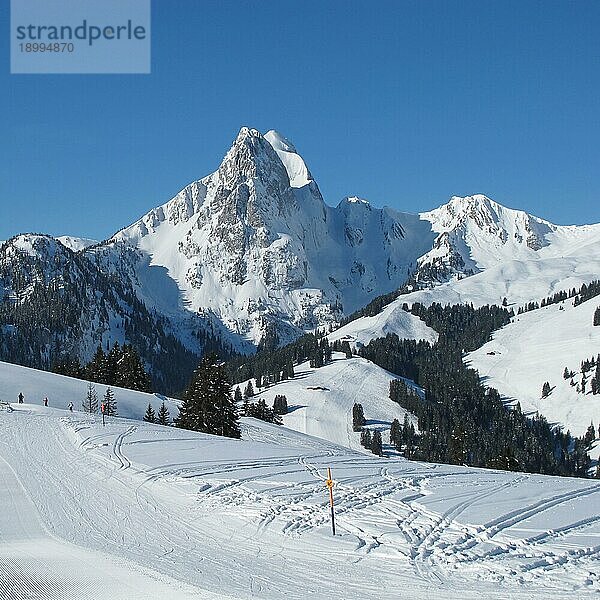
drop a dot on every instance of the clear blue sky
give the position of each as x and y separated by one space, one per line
403 103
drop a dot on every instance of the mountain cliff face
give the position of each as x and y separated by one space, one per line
254 245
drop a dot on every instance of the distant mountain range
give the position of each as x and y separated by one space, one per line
253 250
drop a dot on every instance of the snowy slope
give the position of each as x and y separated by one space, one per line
75 243
536 347
60 390
320 400
185 512
505 263
392 319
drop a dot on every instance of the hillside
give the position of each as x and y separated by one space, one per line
60 390
320 400
536 347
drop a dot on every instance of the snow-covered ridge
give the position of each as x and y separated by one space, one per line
254 243
76 243
536 347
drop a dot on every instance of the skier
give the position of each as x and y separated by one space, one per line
71 406
45 401
20 397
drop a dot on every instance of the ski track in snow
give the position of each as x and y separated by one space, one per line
250 518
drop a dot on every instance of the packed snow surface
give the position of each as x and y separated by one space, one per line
75 243
60 390
392 319
136 510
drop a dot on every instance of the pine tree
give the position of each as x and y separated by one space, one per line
365 438
163 414
280 405
358 417
567 373
376 443
207 404
597 317
129 370
90 403
237 395
590 434
546 389
346 349
396 434
260 410
249 391
110 403
97 368
150 416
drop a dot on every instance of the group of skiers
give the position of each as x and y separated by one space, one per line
21 399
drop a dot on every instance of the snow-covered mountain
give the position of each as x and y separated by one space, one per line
485 253
254 248
254 243
56 303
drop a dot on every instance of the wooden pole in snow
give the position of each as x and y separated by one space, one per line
330 483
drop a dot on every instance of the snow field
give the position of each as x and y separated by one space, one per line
536 347
249 518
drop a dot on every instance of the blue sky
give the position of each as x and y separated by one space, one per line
403 103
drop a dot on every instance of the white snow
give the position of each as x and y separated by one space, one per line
392 319
536 347
134 510
60 390
320 401
76 243
294 164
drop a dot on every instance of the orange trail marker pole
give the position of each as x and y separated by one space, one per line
330 483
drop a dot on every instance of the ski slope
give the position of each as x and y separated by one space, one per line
536 347
36 385
320 400
190 515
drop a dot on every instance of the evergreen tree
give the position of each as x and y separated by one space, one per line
590 435
365 438
567 373
237 395
90 403
150 416
129 370
280 405
110 403
260 410
346 349
597 317
249 391
207 403
163 414
358 417
97 368
376 443
546 389
396 434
